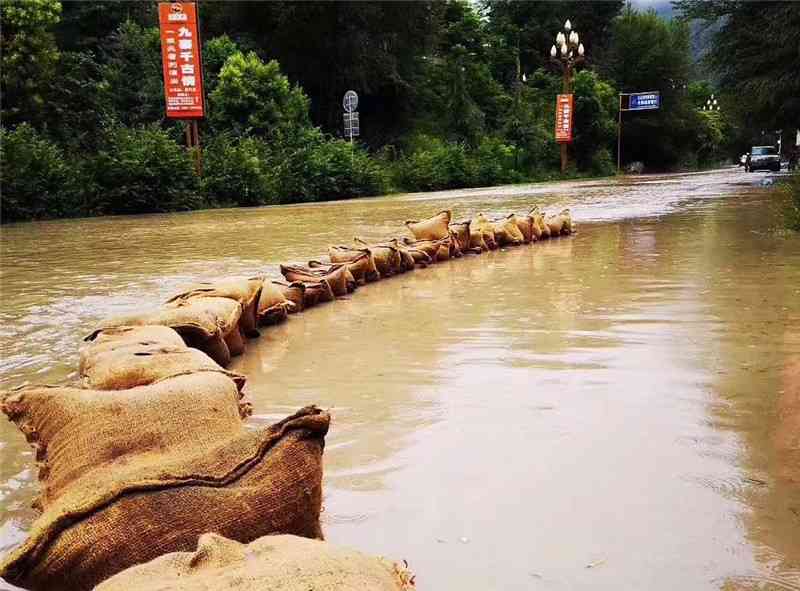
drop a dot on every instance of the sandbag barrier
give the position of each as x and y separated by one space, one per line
147 454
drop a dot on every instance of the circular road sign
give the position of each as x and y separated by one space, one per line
350 101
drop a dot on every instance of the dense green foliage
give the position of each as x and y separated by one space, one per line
35 177
140 169
452 94
792 192
754 53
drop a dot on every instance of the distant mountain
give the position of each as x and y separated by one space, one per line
701 32
663 8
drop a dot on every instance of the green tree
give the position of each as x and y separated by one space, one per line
595 122
216 52
29 57
140 170
131 75
650 53
253 97
754 54
236 171
37 180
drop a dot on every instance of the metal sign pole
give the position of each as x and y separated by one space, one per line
619 135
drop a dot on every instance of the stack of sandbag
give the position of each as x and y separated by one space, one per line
129 475
129 356
482 233
360 262
434 237
386 255
210 324
337 276
560 223
244 290
277 300
284 562
507 232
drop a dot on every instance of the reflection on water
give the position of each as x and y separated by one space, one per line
592 412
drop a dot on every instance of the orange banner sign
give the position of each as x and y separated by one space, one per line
180 53
564 118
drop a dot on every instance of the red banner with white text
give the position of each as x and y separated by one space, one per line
564 118
180 54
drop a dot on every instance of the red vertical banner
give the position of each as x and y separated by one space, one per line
180 54
564 118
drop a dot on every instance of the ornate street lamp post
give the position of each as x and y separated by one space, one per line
711 105
567 53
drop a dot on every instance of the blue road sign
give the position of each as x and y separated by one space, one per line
643 101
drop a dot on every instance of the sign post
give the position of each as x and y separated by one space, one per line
183 71
634 101
352 126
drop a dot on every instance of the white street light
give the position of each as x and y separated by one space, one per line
573 38
564 50
560 39
567 26
580 50
553 51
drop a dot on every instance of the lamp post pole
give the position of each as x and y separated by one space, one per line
567 53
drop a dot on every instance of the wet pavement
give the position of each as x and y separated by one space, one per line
607 411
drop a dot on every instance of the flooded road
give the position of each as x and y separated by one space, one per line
607 411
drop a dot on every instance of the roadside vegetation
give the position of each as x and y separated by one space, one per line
791 191
453 94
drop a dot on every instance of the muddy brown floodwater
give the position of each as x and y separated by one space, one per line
595 412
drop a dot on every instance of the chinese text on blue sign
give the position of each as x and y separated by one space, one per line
645 100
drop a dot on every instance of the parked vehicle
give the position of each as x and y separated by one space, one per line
764 158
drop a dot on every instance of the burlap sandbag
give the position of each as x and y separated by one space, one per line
273 306
386 255
433 228
460 232
411 257
483 225
455 246
210 324
143 364
566 217
476 240
506 231
437 250
288 563
336 276
359 261
294 292
131 475
316 292
555 223
245 290
525 224
541 230
125 336
328 269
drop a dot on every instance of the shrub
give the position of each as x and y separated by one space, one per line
310 167
492 163
236 171
602 164
792 192
252 97
141 170
433 164
36 180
